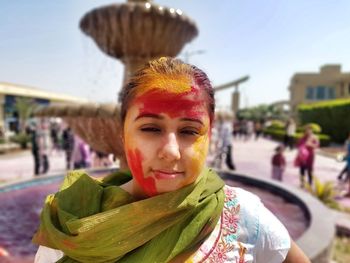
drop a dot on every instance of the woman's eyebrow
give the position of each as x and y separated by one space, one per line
149 115
192 119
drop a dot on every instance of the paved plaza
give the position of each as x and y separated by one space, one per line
254 157
251 157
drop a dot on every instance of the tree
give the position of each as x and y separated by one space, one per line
25 108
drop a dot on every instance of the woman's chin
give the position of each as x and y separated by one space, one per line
165 186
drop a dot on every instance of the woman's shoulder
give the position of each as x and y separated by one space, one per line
246 200
243 232
245 206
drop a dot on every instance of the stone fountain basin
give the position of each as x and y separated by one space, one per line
304 217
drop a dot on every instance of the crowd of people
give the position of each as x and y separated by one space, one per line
48 137
53 137
227 130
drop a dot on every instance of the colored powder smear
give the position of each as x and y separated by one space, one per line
178 83
135 163
174 104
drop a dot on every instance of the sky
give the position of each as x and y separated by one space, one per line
42 46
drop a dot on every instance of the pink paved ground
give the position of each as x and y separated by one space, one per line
20 165
253 157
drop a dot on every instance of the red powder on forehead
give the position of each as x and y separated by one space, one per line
173 104
135 163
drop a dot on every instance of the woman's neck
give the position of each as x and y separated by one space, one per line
134 189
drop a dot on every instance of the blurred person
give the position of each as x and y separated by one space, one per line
243 129
278 162
249 129
290 130
35 147
224 142
346 158
100 159
54 134
45 146
236 128
68 145
306 155
81 155
257 129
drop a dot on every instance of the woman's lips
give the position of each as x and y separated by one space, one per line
163 175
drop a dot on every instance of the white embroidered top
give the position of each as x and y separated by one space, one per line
246 232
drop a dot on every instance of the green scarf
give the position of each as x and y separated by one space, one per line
97 221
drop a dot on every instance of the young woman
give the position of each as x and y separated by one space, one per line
306 155
173 208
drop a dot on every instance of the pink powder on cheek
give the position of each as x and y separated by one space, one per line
173 104
135 163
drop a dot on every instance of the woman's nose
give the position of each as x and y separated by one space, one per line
170 149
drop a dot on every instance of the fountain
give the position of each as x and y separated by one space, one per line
133 32
136 32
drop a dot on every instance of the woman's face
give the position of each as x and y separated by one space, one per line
166 137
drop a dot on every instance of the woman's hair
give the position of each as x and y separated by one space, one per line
172 67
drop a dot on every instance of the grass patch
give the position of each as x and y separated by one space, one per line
341 249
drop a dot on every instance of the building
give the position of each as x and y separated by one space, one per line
330 83
9 93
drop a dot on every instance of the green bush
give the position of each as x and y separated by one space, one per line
277 125
333 116
22 139
278 135
325 192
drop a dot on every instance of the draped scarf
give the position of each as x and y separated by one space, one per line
94 220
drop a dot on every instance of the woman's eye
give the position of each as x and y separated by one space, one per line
189 132
150 129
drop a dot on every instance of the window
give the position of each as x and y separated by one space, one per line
331 93
321 93
309 93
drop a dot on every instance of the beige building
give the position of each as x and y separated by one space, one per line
9 93
330 83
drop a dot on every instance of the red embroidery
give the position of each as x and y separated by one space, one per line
228 226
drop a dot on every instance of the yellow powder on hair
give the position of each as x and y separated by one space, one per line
171 83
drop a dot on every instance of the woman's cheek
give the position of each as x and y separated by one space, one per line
199 154
135 160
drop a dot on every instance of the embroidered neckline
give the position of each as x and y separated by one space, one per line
226 229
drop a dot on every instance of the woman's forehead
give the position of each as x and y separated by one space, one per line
190 104
177 84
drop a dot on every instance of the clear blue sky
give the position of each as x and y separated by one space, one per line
42 46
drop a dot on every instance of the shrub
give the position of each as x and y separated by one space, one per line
325 192
278 135
333 116
277 125
22 139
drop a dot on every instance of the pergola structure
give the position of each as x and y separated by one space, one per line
235 94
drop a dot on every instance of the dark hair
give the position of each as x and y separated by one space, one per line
171 67
279 148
